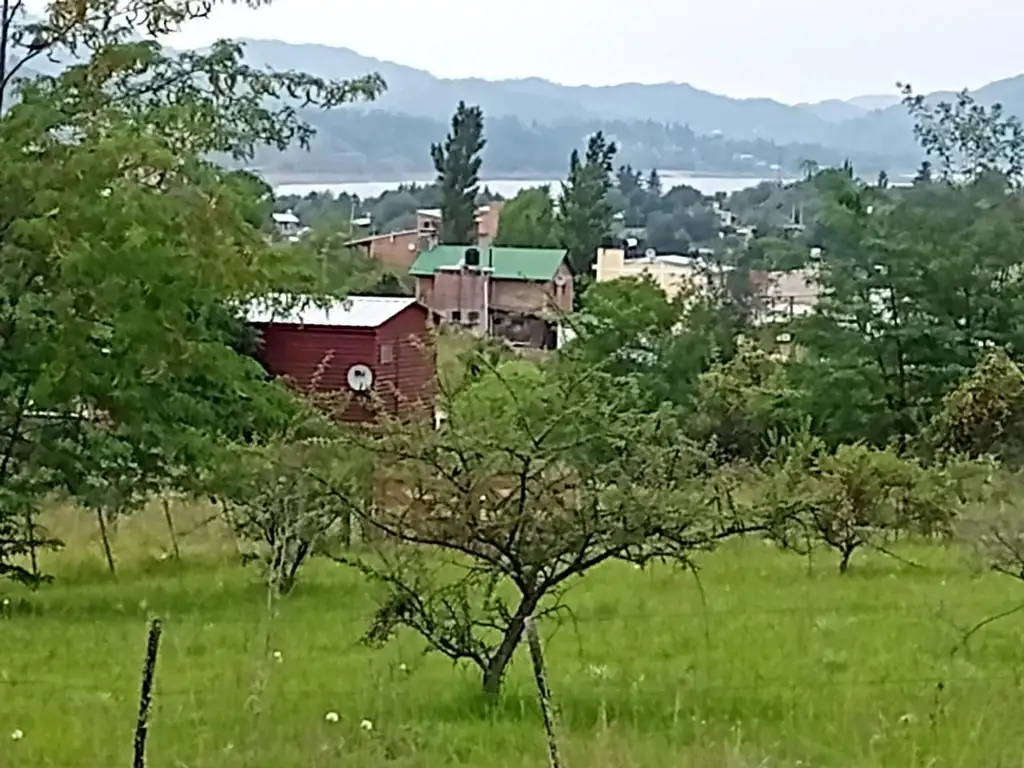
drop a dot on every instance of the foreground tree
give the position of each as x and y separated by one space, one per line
537 476
127 256
457 162
584 213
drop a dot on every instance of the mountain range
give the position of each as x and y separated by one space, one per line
533 123
865 124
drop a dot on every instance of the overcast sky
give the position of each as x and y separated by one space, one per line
790 50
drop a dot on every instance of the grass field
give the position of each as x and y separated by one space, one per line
778 665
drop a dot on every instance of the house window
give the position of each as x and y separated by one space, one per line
474 317
387 353
456 316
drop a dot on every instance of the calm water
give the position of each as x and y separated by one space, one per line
509 187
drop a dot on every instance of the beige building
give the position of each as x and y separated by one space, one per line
673 274
782 296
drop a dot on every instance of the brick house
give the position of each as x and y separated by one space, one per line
395 250
519 294
428 222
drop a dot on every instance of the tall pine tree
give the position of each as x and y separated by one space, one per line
457 162
585 216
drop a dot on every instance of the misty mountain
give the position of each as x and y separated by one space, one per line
872 124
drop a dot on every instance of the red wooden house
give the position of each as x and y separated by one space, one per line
367 346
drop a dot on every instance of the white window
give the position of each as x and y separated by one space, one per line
387 353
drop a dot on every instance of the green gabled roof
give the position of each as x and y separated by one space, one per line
537 264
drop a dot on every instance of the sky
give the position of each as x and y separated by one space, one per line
789 50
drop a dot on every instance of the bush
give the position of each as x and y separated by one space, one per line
857 497
288 500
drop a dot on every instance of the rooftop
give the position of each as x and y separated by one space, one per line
533 264
353 312
285 218
386 236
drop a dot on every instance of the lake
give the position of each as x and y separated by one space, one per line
509 187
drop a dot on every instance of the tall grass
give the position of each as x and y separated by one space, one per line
775 665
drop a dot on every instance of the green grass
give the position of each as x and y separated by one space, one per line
777 665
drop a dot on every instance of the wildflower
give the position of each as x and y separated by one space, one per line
331 717
278 656
17 734
366 725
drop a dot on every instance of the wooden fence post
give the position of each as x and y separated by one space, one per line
146 693
540 675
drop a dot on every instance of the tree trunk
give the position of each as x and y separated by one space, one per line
108 553
844 563
30 532
170 529
494 674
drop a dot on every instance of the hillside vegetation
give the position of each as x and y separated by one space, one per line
699 533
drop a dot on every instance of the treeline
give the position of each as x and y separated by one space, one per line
352 144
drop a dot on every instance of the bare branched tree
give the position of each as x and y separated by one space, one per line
538 475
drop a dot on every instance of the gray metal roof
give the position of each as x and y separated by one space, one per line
353 312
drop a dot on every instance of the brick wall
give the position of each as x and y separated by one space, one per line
463 291
396 251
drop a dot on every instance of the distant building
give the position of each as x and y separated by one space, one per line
395 250
287 225
398 250
428 222
673 273
519 294
779 296
364 345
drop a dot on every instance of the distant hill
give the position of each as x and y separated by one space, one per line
378 145
533 123
872 125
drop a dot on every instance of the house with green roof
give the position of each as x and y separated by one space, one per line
519 294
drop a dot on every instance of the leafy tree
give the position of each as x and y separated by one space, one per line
584 214
528 220
341 269
273 495
653 182
628 180
858 497
918 282
740 403
126 254
809 168
457 162
537 476
984 415
924 173
631 330
967 139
